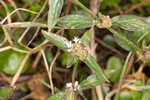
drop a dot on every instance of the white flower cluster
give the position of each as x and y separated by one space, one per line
76 40
69 85
70 43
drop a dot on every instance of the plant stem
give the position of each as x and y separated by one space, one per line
85 8
74 72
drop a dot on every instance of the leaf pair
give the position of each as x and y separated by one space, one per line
62 42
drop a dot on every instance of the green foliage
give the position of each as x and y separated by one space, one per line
68 59
87 37
131 32
62 42
93 65
130 23
11 61
125 95
5 93
109 40
75 22
109 3
124 44
114 66
57 96
24 87
57 40
55 7
91 81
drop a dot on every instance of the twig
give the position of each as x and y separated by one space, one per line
93 46
141 67
16 49
7 36
68 6
50 70
36 61
110 94
109 47
3 42
15 7
24 33
94 5
129 64
15 78
35 34
85 8
7 10
3 21
136 6
46 65
34 50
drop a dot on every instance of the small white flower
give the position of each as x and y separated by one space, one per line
69 50
76 40
76 83
69 85
69 44
108 16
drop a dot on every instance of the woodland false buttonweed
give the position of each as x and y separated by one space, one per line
77 48
76 40
69 85
69 45
104 22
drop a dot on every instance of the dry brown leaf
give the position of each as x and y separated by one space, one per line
38 90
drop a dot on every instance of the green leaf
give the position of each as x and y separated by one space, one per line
114 67
136 95
87 37
26 24
130 23
142 35
125 95
5 93
125 41
109 39
146 93
123 44
11 61
57 96
58 40
55 7
75 22
24 87
91 81
68 59
91 62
